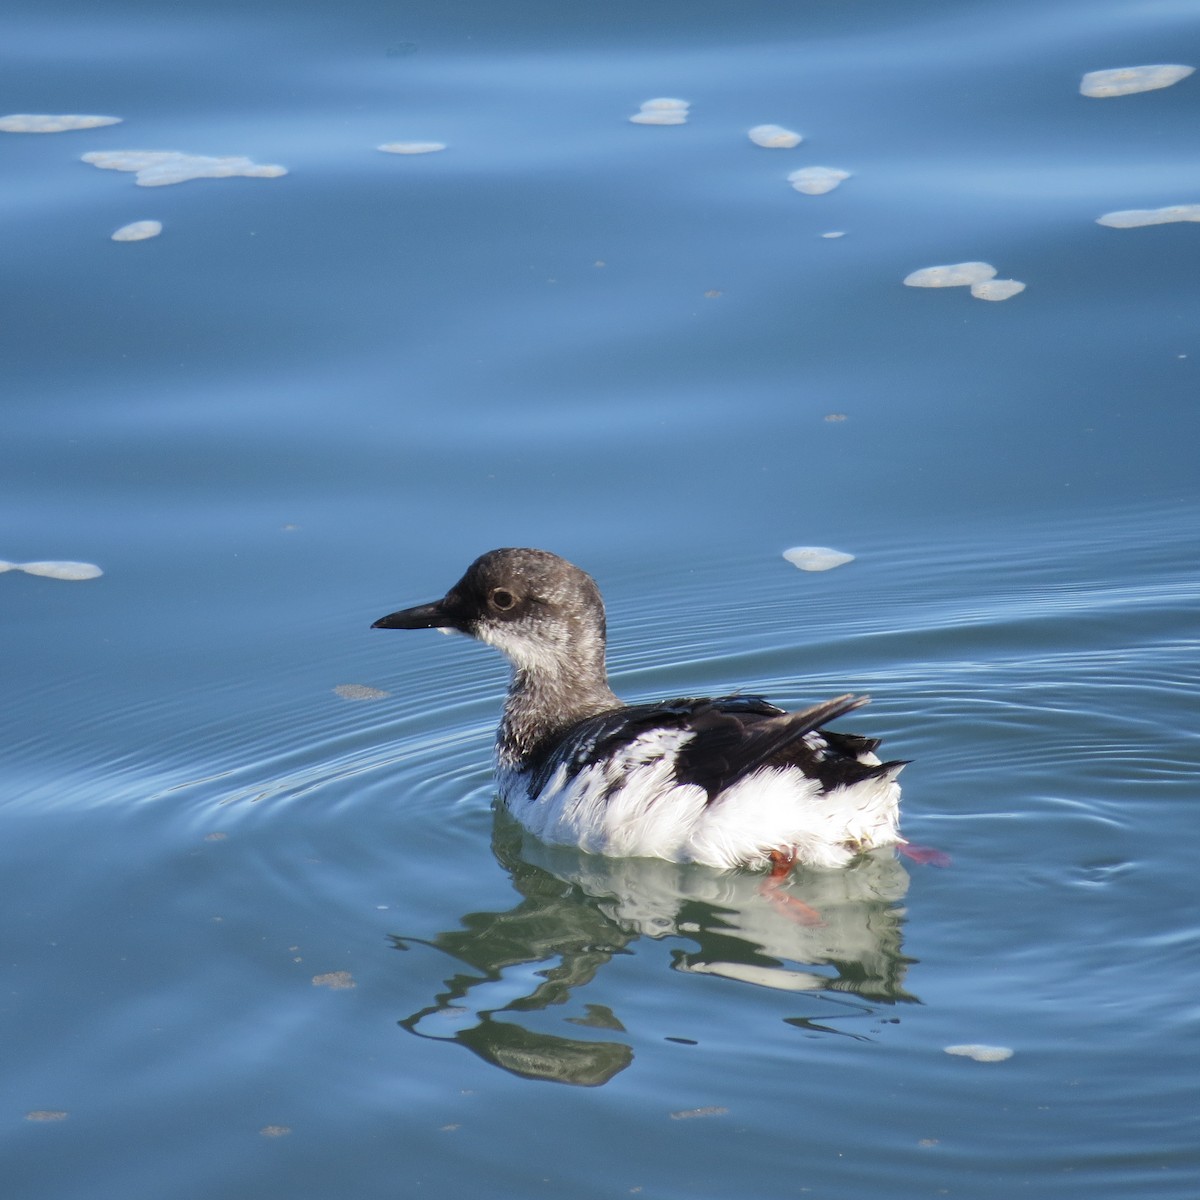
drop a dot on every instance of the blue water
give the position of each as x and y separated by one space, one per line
314 399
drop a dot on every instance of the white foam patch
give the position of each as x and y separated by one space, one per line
836 233
997 289
774 137
952 275
48 123
1134 218
55 570
359 691
981 1053
662 111
411 147
157 168
1125 81
816 181
816 558
137 231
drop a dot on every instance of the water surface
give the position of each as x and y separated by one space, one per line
266 936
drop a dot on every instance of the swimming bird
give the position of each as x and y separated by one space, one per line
732 781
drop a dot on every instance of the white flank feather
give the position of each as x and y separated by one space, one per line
630 805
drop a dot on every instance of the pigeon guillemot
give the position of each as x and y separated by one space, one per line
730 782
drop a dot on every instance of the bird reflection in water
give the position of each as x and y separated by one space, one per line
578 910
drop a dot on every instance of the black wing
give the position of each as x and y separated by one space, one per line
603 736
729 746
733 736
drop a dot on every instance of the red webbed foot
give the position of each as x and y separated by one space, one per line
925 855
792 907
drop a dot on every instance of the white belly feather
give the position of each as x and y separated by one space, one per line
631 806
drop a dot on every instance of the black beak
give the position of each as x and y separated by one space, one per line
424 616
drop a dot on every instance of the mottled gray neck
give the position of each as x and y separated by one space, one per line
554 686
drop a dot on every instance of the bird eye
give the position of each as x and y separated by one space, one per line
503 600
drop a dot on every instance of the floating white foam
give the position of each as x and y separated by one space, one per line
156 168
837 233
137 231
1124 81
662 111
337 980
411 147
774 137
55 570
659 118
981 1053
47 123
953 275
816 558
816 181
1133 218
996 289
359 691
